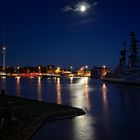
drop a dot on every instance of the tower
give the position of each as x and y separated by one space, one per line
4 50
3 57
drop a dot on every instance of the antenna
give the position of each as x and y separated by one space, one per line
3 35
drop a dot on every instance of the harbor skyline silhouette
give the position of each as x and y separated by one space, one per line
41 33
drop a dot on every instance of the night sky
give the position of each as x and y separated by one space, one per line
56 32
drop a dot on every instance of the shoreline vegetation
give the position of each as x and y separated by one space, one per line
20 118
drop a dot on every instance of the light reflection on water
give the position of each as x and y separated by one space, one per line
104 96
58 91
106 121
80 91
39 88
87 123
110 107
3 83
17 86
71 80
78 95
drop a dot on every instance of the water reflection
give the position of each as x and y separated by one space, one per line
104 94
39 89
83 128
104 98
111 107
79 92
71 80
106 121
3 83
83 80
17 86
58 91
84 123
86 93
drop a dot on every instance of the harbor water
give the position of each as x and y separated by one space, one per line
112 110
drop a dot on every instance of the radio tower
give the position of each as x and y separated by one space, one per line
3 50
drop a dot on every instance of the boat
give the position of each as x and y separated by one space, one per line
128 69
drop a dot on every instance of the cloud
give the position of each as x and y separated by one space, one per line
77 6
95 3
67 8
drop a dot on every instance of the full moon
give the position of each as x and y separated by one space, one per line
82 8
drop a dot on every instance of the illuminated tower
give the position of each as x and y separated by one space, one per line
3 56
4 51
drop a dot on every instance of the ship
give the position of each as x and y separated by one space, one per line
128 69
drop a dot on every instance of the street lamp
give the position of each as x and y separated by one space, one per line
104 66
104 71
39 69
71 67
18 69
86 67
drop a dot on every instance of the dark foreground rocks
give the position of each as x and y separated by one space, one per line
20 118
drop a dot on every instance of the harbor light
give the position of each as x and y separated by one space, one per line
18 69
71 68
104 66
39 69
57 70
104 71
86 67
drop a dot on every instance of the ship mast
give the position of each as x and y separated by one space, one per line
123 57
133 51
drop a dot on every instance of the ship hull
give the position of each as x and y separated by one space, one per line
122 80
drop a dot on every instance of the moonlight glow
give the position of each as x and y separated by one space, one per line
82 8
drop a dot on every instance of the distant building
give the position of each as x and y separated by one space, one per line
83 72
97 72
80 72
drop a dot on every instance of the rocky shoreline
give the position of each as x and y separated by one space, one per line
20 118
